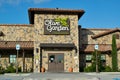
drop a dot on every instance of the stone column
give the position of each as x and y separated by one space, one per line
36 60
76 61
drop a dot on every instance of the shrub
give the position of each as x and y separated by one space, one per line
108 69
89 69
10 69
19 69
2 70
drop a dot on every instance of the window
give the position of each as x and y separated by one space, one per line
117 36
51 58
88 57
102 57
12 58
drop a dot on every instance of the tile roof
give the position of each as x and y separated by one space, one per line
12 44
32 11
16 25
105 33
102 47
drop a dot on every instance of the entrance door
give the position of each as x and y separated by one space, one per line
56 62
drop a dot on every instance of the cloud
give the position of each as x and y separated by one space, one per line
16 2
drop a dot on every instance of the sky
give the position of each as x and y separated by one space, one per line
98 13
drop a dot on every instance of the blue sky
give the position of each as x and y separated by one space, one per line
98 13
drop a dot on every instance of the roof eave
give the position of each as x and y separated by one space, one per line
105 33
32 11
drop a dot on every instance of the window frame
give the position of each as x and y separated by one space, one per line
12 58
103 57
117 36
88 58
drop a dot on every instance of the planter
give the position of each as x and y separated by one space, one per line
70 69
42 69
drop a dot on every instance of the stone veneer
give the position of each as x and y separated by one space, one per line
16 33
41 38
85 38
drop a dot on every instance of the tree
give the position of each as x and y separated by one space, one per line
96 61
114 54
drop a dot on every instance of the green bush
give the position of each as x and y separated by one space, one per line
2 70
102 69
19 69
107 69
10 69
89 69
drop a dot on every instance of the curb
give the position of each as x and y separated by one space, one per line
14 74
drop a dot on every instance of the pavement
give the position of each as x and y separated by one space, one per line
62 76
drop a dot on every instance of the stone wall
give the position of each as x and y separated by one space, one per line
41 38
28 59
87 33
85 38
69 60
17 33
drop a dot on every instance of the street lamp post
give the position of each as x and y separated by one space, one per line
17 63
17 48
96 48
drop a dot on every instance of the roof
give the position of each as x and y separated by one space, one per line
102 47
33 11
16 25
57 45
105 29
12 44
105 33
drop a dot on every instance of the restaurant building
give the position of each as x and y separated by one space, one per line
55 41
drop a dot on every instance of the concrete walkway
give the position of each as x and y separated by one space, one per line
61 76
51 76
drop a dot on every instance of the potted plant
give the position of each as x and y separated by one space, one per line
42 69
70 69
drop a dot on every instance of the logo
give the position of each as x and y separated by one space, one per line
57 26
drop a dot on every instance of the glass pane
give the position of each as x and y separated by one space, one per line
12 58
60 58
51 58
102 57
88 57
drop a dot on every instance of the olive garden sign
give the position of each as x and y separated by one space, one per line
57 26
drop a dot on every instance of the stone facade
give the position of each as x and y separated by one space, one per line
35 33
72 38
17 33
85 38
38 57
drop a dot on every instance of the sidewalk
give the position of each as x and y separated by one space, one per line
102 73
19 74
62 79
48 76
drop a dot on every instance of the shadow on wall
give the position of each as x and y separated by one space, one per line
83 41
